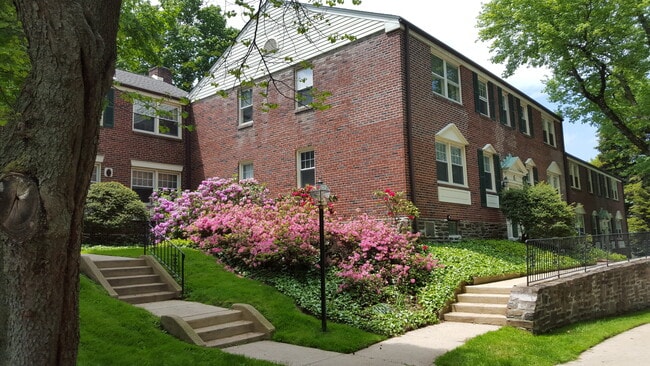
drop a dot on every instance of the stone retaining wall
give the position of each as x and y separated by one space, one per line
617 289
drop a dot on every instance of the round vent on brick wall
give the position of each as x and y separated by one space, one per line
108 172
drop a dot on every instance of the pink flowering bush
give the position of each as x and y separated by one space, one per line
240 225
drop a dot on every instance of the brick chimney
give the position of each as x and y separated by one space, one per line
161 73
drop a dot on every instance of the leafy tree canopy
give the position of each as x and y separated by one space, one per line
13 53
540 210
597 50
637 197
186 36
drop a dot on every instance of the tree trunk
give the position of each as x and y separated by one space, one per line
47 154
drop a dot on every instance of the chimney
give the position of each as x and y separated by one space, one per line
161 73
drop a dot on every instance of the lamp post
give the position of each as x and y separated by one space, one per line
321 194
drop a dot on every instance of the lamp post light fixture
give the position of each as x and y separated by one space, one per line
321 194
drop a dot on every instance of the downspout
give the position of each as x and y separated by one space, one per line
408 117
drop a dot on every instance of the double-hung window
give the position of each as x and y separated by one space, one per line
450 163
524 122
245 106
446 78
161 119
614 186
488 173
147 177
246 170
483 104
306 168
304 85
574 175
504 107
97 173
549 131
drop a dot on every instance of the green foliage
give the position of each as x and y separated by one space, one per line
186 36
15 64
511 346
111 206
540 210
598 52
637 196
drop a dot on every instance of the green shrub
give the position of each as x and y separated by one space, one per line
114 214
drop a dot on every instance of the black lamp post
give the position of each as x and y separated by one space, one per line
321 194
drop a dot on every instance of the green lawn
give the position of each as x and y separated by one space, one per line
209 283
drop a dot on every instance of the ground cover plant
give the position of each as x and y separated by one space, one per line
511 346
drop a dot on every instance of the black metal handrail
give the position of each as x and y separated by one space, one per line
554 257
171 257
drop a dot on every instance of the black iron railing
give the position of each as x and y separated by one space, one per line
554 257
170 257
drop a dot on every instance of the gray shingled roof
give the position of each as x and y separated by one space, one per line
147 83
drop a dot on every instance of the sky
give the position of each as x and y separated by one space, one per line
454 23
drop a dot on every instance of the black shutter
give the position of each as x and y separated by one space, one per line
481 179
502 113
513 113
497 172
491 99
535 176
476 95
521 118
530 120
108 116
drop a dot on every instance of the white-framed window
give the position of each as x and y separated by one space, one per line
524 123
306 168
554 181
146 177
549 131
580 224
483 102
245 106
574 175
246 170
160 119
504 104
446 78
488 171
590 180
304 85
97 173
450 163
614 187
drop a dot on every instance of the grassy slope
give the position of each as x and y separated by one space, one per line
209 283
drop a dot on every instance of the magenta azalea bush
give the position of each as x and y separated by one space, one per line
245 229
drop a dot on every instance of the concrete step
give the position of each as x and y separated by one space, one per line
224 330
491 319
142 288
222 317
483 289
133 280
236 340
477 308
483 298
150 297
114 263
126 271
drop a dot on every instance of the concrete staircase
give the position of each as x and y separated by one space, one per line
133 280
143 282
481 304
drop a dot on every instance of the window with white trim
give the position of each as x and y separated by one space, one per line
580 223
554 181
306 168
245 106
614 186
161 119
488 167
483 103
549 131
97 173
505 109
246 170
304 85
574 175
147 177
446 78
590 180
450 163
524 123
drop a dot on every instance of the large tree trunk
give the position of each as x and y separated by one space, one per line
47 154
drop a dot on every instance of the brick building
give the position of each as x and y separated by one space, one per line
406 113
141 141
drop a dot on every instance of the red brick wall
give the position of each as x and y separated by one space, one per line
358 143
120 144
